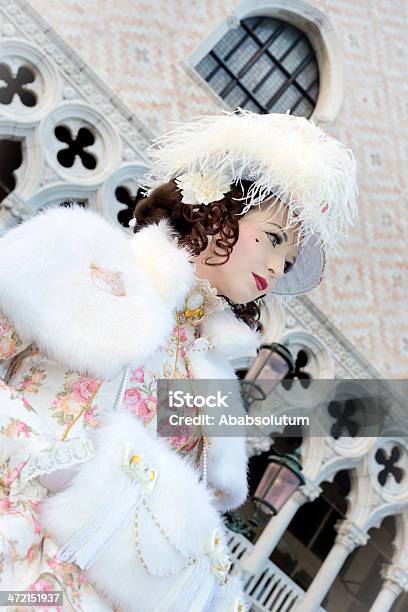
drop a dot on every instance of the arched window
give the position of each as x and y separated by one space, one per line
263 65
272 56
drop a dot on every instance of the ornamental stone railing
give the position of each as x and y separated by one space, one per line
269 589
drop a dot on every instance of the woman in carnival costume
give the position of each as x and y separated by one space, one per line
240 207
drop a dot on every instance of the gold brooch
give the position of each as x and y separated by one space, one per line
201 301
193 314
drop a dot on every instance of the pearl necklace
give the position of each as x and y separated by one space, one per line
204 469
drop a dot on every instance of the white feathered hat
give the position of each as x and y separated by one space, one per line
289 157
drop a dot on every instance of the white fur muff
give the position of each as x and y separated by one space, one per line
181 504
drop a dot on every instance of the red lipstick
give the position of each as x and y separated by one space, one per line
261 282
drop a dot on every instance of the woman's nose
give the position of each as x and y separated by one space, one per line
276 267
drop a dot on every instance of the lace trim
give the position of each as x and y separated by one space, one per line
33 490
59 456
203 285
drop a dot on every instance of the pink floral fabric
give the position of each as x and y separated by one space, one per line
41 397
10 342
171 361
78 391
32 381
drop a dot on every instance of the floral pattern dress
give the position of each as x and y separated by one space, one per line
42 403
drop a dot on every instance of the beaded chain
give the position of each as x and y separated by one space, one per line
191 561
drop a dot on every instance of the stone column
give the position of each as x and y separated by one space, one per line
349 536
276 528
395 582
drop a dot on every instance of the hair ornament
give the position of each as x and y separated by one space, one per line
203 187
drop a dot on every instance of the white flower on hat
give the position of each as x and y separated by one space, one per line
202 187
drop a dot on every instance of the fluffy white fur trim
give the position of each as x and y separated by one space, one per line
227 457
227 468
230 336
284 155
157 251
47 291
181 504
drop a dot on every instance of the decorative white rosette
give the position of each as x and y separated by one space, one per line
203 187
220 561
136 467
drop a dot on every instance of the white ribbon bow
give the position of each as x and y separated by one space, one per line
220 560
138 469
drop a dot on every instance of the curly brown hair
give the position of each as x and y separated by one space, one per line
195 223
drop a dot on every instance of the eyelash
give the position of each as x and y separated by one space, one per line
278 241
277 238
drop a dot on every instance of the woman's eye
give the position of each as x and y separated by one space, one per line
275 239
